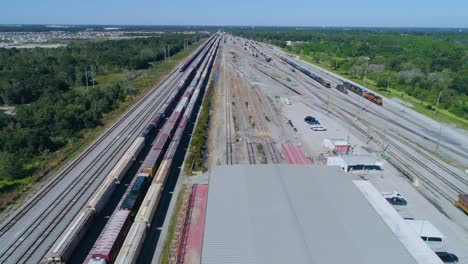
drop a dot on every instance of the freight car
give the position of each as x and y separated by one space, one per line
373 98
109 241
342 88
354 88
315 77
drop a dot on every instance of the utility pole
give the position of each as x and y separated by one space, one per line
92 74
336 59
440 130
365 72
438 100
86 77
388 83
169 52
438 138
165 57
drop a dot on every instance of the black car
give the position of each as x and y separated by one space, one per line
311 120
396 201
447 257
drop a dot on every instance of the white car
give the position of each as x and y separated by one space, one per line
392 194
318 128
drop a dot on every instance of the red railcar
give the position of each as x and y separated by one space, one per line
108 243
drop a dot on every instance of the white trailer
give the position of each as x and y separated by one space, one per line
428 232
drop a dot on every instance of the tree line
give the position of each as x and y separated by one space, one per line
53 105
421 63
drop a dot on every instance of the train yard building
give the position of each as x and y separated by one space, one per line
296 214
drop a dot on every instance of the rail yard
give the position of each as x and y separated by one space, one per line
265 96
268 107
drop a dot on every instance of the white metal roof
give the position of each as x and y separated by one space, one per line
425 228
357 160
293 214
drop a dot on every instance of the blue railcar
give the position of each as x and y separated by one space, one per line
136 193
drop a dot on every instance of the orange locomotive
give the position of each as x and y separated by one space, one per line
372 97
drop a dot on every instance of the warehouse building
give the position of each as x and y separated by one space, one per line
300 214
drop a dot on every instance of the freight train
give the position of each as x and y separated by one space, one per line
340 87
189 61
72 235
155 166
134 240
315 77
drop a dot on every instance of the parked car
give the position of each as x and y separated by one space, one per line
309 119
392 194
396 201
316 122
318 128
447 257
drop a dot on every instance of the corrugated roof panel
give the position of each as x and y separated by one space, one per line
293 214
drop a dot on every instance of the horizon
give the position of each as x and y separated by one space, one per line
294 13
51 25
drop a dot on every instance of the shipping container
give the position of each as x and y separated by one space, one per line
131 247
70 238
151 162
110 239
163 171
162 141
136 194
149 204
102 195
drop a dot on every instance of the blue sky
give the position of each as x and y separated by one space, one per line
387 13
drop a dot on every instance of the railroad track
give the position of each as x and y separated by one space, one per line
435 188
147 112
250 152
56 220
406 168
436 162
415 159
11 220
412 131
274 155
463 153
228 124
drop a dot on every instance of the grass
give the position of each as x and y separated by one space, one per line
170 235
17 190
441 115
198 143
